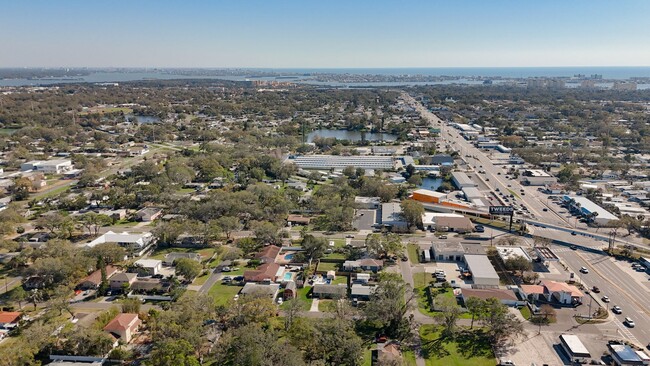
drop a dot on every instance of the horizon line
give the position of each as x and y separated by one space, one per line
314 67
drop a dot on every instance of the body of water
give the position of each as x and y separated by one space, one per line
143 119
461 72
431 183
351 135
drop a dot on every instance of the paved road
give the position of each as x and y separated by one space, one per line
622 286
534 201
214 278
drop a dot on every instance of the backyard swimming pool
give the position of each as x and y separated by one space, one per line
288 276
288 256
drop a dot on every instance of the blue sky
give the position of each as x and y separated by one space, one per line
326 33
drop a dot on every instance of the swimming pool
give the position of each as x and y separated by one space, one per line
288 256
288 276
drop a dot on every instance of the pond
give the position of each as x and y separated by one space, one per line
431 183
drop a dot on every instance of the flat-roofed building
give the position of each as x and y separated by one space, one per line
428 196
483 272
512 252
341 162
588 208
58 166
537 177
391 215
461 180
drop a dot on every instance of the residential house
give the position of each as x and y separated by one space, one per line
94 279
268 254
298 220
265 272
119 279
149 267
366 264
150 284
9 319
326 291
124 326
148 214
362 291
266 288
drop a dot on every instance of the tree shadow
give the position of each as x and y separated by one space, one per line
434 347
473 343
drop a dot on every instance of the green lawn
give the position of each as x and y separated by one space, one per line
327 306
413 253
421 279
467 347
334 256
302 297
205 252
525 312
339 280
409 358
323 266
201 279
223 294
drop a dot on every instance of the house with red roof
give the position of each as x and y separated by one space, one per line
124 326
9 319
553 291
95 279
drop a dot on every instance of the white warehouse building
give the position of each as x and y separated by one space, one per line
59 166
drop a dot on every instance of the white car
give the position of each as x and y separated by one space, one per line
617 309
280 301
584 270
629 322
605 299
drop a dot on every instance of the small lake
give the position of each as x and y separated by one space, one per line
351 135
431 183
143 119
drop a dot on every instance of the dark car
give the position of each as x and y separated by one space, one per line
574 247
545 209
574 233
595 289
479 228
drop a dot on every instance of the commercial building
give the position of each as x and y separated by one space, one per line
472 193
506 297
512 252
457 223
537 177
482 271
369 203
341 162
391 216
461 180
428 196
574 348
58 166
624 355
124 239
588 208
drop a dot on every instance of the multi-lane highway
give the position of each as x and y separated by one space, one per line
540 209
623 286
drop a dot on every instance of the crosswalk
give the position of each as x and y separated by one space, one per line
626 332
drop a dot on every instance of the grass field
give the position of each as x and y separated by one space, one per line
413 253
106 110
223 294
467 347
323 266
525 312
327 306
302 297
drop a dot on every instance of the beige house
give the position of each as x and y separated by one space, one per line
124 326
